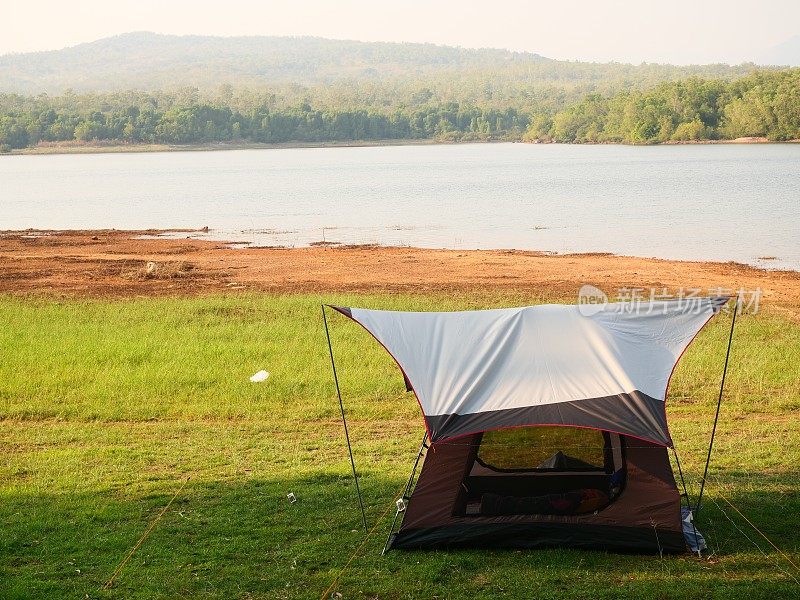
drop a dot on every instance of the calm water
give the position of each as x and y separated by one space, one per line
718 202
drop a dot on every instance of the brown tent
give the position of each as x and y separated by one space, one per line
514 488
547 424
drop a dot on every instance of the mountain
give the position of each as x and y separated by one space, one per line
785 54
149 61
143 60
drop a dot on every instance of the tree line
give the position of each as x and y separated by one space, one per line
201 122
763 104
759 105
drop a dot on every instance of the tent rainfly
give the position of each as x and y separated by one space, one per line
546 425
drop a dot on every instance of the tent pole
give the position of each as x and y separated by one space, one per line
719 403
683 481
344 421
688 499
422 447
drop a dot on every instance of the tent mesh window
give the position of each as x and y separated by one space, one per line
540 448
542 471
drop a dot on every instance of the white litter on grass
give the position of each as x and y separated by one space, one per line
259 377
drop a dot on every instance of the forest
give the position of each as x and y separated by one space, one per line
765 103
760 105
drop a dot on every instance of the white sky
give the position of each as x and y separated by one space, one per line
676 31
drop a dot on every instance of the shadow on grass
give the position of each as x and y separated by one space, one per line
243 538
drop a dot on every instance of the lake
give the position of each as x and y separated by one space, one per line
704 202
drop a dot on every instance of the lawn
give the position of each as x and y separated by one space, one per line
108 408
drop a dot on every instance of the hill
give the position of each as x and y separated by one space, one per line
149 61
786 53
144 88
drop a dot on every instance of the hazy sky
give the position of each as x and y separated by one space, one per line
678 31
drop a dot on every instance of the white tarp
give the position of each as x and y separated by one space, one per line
547 364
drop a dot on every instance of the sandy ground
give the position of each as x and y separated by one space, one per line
114 146
115 264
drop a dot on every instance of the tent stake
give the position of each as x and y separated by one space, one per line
422 447
344 421
719 403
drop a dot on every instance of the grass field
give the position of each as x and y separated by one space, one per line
107 407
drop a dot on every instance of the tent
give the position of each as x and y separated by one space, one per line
545 425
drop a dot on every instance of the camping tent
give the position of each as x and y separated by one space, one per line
546 424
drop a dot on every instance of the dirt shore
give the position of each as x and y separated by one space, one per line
117 146
116 264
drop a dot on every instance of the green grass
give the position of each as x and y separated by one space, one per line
107 408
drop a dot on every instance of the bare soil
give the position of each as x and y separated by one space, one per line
114 264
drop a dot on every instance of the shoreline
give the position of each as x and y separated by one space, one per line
120 264
121 148
768 264
215 147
